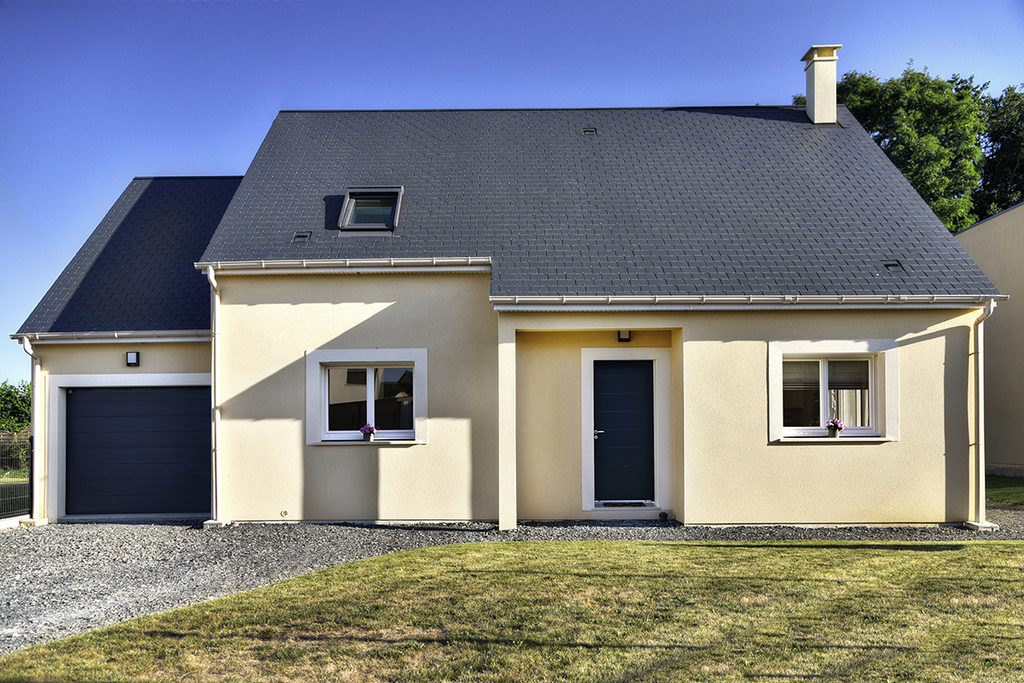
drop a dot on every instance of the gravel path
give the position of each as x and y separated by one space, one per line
65 579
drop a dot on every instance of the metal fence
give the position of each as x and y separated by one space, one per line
15 477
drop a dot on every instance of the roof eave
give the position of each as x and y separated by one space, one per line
474 264
759 302
115 336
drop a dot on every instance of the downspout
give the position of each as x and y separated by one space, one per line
215 394
979 523
36 412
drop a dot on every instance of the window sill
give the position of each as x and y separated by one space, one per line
375 442
832 439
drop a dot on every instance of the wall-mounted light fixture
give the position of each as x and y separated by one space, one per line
625 335
132 359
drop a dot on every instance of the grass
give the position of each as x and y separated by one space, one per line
1005 490
13 477
590 611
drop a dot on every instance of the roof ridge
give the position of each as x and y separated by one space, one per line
189 177
540 109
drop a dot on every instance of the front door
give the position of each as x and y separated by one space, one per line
623 430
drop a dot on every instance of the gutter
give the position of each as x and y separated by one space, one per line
979 523
704 302
36 410
215 488
134 336
432 264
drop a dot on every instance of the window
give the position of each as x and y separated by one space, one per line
371 208
346 389
811 382
380 396
817 390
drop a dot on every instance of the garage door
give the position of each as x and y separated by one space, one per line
138 450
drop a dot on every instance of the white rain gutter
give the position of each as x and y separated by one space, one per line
724 303
132 336
215 390
366 266
980 524
36 411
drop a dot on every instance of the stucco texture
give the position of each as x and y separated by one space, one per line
996 245
267 325
724 466
105 363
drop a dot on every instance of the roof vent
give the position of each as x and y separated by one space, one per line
301 236
821 82
590 131
893 265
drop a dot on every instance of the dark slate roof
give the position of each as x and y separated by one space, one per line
136 271
678 201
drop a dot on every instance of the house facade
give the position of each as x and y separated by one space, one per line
543 314
994 244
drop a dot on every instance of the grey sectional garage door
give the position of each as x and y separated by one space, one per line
138 450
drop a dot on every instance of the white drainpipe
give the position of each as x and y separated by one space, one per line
979 422
35 415
215 377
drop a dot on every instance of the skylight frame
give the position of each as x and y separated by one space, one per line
354 194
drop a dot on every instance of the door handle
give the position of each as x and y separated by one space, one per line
598 431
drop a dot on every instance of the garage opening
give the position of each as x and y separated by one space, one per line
138 450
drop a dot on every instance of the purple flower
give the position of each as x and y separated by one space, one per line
368 429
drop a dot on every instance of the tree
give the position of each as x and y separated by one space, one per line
1002 171
15 406
930 128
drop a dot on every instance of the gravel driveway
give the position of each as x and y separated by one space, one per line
65 579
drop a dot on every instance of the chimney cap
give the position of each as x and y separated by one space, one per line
821 52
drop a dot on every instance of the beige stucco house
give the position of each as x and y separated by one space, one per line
545 314
996 244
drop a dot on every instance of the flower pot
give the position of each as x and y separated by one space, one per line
833 433
367 437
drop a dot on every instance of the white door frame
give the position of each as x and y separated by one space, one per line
56 417
662 418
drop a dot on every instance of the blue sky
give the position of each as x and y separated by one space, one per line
95 93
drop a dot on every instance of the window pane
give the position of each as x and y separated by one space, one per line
346 402
848 392
371 210
801 398
392 405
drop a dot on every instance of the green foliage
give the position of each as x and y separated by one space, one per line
15 406
1002 172
931 128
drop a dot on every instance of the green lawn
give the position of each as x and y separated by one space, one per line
1005 490
591 611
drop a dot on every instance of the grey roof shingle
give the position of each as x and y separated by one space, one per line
678 201
136 271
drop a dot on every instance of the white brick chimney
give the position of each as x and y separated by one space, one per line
821 82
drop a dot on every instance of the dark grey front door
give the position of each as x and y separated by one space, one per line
138 450
624 430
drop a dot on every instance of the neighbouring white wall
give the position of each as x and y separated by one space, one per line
996 245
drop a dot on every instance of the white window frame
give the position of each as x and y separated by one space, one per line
320 361
883 387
